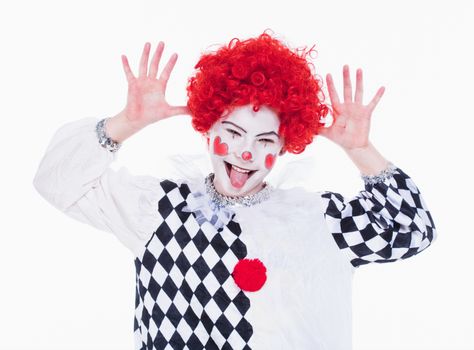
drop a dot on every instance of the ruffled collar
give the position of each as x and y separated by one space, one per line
215 208
192 169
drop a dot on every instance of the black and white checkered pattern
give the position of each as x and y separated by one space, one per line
186 297
387 222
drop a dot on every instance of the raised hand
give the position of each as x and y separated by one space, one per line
351 119
146 102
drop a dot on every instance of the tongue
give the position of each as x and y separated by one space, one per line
237 179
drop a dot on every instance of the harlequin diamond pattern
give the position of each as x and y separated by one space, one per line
186 297
387 222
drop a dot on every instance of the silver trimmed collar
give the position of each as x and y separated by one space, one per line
222 201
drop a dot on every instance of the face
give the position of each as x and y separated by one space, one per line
243 146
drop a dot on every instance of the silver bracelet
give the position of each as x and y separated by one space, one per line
380 177
104 140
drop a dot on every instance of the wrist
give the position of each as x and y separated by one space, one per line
367 159
119 127
361 149
104 139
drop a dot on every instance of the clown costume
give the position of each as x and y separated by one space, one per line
226 260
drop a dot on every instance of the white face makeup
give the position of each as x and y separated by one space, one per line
243 146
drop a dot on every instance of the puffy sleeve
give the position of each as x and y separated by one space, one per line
386 222
75 177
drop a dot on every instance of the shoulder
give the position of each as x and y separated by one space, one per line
297 198
170 186
175 193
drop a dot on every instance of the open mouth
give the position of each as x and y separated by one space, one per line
229 166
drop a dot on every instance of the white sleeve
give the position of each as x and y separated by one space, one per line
74 176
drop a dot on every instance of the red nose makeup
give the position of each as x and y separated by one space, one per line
246 155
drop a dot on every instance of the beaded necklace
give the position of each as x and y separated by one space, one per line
221 200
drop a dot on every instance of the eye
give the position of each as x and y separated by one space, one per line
233 133
265 141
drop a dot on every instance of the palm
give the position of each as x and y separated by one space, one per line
351 125
146 102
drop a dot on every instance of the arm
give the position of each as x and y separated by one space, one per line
75 177
367 159
74 174
386 222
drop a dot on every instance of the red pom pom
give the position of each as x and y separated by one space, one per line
250 274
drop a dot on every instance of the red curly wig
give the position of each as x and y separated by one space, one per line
259 71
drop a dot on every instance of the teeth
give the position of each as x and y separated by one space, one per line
240 170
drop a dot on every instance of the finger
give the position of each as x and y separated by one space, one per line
165 74
376 99
332 90
127 70
359 94
155 61
144 60
347 84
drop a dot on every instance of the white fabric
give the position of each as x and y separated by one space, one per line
75 177
306 301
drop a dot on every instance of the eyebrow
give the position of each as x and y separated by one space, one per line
269 133
262 134
238 127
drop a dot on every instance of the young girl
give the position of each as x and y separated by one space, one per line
228 261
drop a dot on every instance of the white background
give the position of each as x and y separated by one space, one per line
65 285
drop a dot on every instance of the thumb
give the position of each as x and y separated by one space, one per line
178 110
323 131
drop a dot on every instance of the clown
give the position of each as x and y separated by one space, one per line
244 147
227 261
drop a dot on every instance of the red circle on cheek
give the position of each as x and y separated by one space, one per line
220 148
269 161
